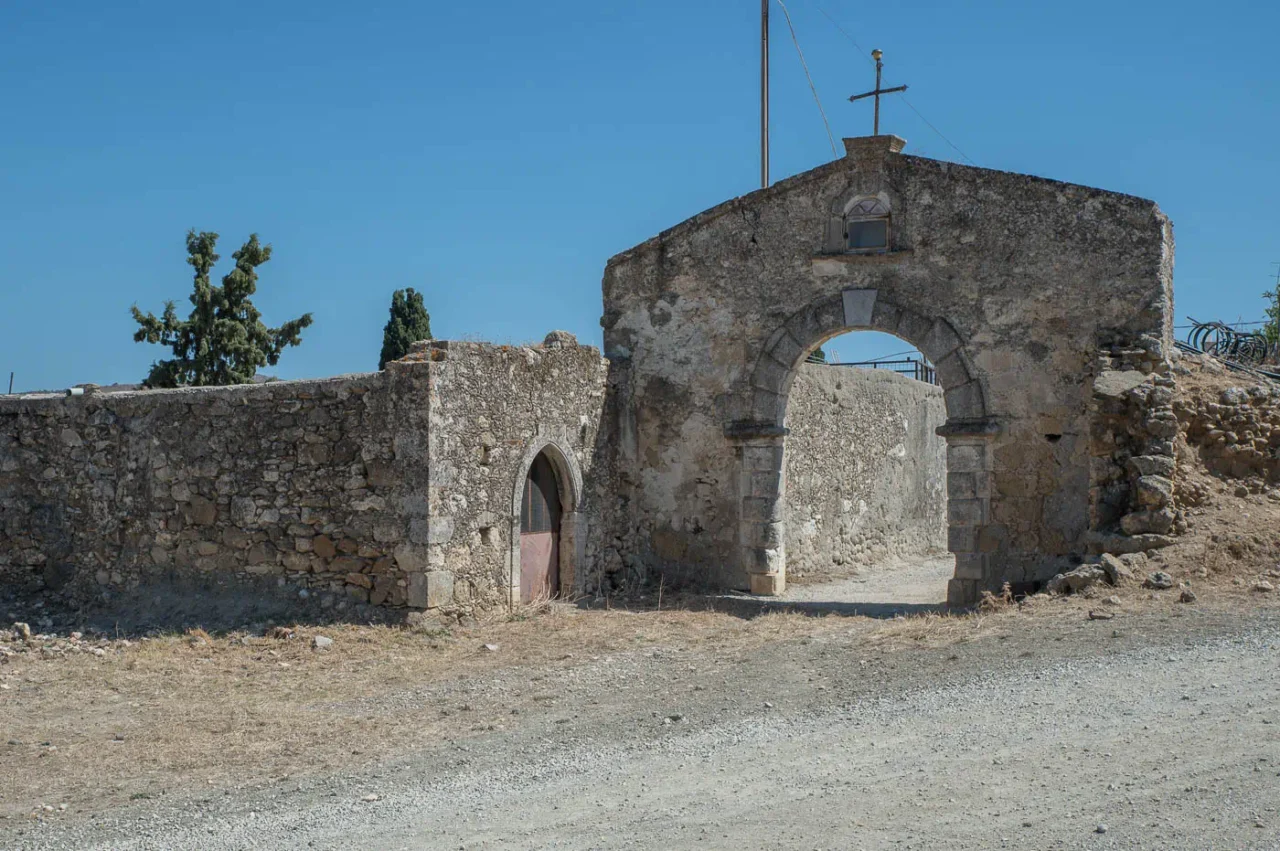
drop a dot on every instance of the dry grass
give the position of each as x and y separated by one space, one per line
192 708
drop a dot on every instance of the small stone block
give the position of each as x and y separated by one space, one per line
439 588
941 340
859 306
966 512
951 370
962 539
966 458
970 566
962 485
786 350
962 593
767 584
762 457
965 402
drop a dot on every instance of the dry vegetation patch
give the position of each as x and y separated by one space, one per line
173 711
149 716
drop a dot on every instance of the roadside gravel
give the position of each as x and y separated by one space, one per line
1153 731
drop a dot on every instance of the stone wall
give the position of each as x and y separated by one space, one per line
288 479
493 409
1133 446
1232 431
865 470
394 488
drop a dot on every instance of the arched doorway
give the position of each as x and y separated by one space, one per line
864 476
968 432
540 516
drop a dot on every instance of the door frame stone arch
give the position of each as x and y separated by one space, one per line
572 520
969 432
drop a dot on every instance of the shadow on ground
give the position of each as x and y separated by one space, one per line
742 606
163 607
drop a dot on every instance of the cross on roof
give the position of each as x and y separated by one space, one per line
877 91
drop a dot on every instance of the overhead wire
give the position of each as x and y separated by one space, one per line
796 41
909 104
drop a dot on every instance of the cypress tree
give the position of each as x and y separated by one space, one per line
409 323
223 341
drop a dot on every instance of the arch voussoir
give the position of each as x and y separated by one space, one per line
953 369
940 341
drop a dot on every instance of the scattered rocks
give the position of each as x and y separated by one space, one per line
1187 596
1076 580
1116 570
321 642
1100 616
1263 586
492 648
1159 580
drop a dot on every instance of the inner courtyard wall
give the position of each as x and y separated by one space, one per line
865 471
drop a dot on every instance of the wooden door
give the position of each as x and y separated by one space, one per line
540 533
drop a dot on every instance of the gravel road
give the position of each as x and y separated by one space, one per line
1151 731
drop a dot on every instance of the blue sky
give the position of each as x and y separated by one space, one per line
494 155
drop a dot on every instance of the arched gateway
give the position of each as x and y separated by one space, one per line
1012 286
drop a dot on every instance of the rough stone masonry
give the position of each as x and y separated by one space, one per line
1022 291
692 450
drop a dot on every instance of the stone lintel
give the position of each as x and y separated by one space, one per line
982 428
749 430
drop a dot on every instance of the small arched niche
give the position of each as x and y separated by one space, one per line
867 226
862 224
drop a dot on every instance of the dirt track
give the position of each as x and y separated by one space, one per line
1163 726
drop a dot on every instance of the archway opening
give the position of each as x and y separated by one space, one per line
541 512
968 431
865 505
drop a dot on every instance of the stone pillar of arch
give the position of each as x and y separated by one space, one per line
969 432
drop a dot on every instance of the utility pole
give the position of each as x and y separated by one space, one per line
10 383
764 93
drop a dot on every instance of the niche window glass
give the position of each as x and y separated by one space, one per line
866 226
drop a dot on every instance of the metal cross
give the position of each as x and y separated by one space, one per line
876 54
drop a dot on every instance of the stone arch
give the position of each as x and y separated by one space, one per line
969 432
572 531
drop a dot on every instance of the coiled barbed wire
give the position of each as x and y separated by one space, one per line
1226 343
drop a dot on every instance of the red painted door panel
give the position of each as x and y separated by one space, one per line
539 565
540 533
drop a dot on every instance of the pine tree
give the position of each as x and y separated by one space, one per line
409 323
223 341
